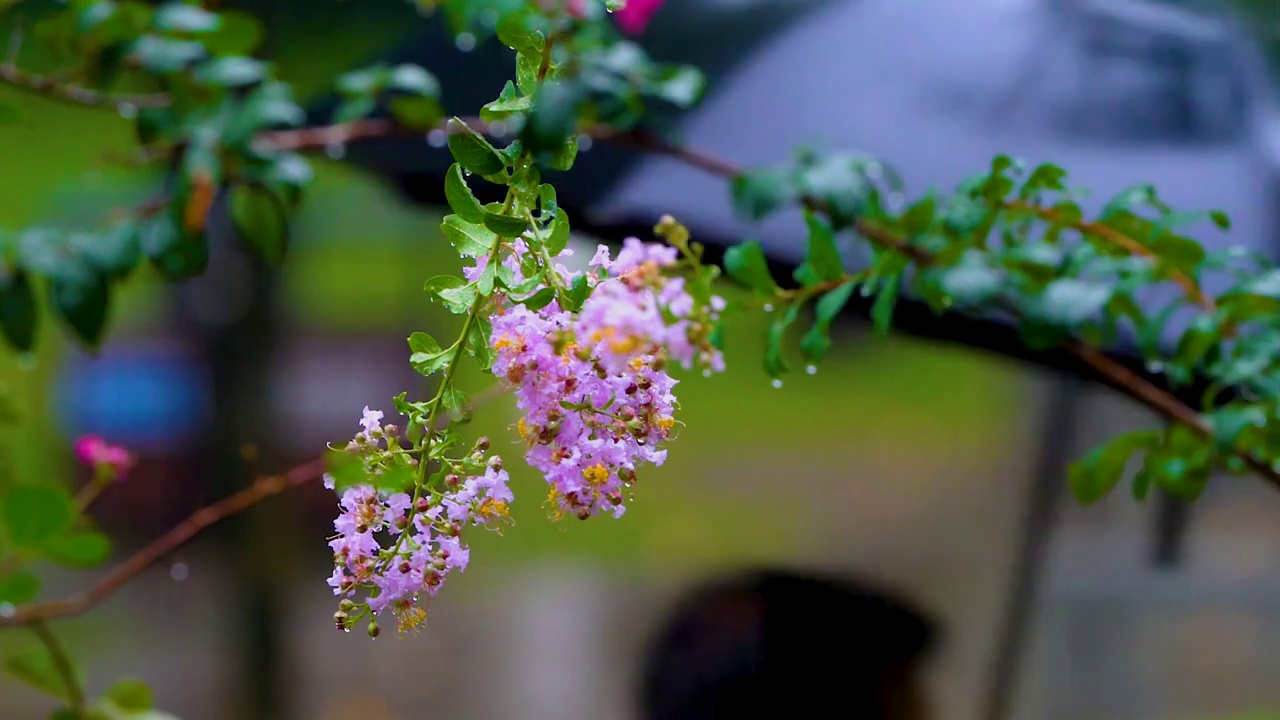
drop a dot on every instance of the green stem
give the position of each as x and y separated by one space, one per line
424 459
62 664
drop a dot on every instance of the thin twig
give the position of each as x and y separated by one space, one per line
53 88
62 664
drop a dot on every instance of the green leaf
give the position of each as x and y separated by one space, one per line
680 85
131 696
428 357
415 80
1230 421
348 469
158 235
972 281
469 239
478 343
260 220
166 56
554 116
505 225
454 292
79 549
472 151
365 82
817 341
460 198
456 403
416 112
35 513
919 217
882 309
528 62
822 263
746 263
113 253
558 240
562 157
19 315
180 17
572 298
539 299
233 71
775 362
1068 302
19 587
1093 477
82 303
758 193
516 31
1221 219
37 669
508 102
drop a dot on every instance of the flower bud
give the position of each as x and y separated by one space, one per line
340 620
405 567
346 605
422 505
482 445
452 480
374 629
495 463
353 446
390 430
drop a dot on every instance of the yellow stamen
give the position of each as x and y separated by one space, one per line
596 474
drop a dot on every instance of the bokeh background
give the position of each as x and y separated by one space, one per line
901 461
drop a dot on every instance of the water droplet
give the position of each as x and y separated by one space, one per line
466 173
27 361
584 143
335 150
7 610
768 307
437 138
497 128
346 629
466 42
776 383
128 111
179 572
811 369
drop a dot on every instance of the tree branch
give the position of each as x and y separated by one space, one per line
182 533
51 87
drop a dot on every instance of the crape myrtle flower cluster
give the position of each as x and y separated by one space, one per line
597 403
396 548
593 386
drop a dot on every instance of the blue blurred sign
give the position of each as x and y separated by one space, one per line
152 399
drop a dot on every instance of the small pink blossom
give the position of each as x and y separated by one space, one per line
634 17
98 453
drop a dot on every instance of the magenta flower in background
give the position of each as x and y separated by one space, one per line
98 453
634 17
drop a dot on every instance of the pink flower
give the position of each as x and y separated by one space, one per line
98 453
634 17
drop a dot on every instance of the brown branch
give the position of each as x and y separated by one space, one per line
162 546
76 94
